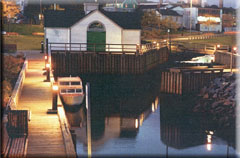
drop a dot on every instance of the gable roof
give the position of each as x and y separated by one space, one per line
65 19
168 12
61 18
126 20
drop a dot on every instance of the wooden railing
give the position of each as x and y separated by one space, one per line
13 101
105 48
177 46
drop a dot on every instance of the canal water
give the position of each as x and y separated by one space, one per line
131 118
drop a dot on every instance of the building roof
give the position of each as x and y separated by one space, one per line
61 19
65 19
126 20
148 6
168 12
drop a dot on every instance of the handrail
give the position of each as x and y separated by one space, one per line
100 47
17 88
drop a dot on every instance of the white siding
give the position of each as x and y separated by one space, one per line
57 35
131 37
211 28
79 30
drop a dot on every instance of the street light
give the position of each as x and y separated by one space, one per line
169 40
54 99
234 50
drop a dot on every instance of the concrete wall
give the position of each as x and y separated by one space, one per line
79 30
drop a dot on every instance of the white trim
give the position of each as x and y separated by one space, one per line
93 13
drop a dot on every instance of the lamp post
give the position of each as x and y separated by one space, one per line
234 50
54 99
169 40
47 72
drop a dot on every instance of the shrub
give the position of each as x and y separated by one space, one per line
7 90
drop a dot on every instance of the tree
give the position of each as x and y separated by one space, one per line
10 9
153 26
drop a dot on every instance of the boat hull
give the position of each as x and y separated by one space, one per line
72 100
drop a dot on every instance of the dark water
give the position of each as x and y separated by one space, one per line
131 118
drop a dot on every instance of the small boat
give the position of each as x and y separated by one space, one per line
71 90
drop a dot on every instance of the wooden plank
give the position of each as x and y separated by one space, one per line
180 83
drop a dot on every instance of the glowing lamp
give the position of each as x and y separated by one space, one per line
234 48
154 42
136 123
45 57
55 87
47 65
209 147
153 107
218 46
164 40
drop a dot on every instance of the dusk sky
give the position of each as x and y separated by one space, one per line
227 3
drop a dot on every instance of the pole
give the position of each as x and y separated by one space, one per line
42 47
54 99
191 17
231 61
88 107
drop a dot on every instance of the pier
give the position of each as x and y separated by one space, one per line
46 138
121 59
188 80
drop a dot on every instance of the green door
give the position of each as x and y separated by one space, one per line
96 41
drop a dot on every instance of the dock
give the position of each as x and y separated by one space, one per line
45 138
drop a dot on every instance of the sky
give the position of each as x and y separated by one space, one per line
226 3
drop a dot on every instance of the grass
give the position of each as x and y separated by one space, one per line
23 29
225 40
24 42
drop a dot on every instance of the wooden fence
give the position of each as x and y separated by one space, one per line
227 59
112 48
184 81
70 63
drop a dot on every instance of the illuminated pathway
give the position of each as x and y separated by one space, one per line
45 136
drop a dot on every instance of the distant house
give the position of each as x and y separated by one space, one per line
171 14
98 26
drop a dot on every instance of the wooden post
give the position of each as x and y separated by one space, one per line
88 106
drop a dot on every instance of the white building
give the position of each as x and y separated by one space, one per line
97 27
203 19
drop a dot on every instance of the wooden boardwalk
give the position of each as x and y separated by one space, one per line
45 136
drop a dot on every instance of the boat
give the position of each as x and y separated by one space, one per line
71 90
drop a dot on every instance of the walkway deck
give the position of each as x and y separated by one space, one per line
45 136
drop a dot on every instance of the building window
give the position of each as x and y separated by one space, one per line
96 27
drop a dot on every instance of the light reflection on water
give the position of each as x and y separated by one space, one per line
145 124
